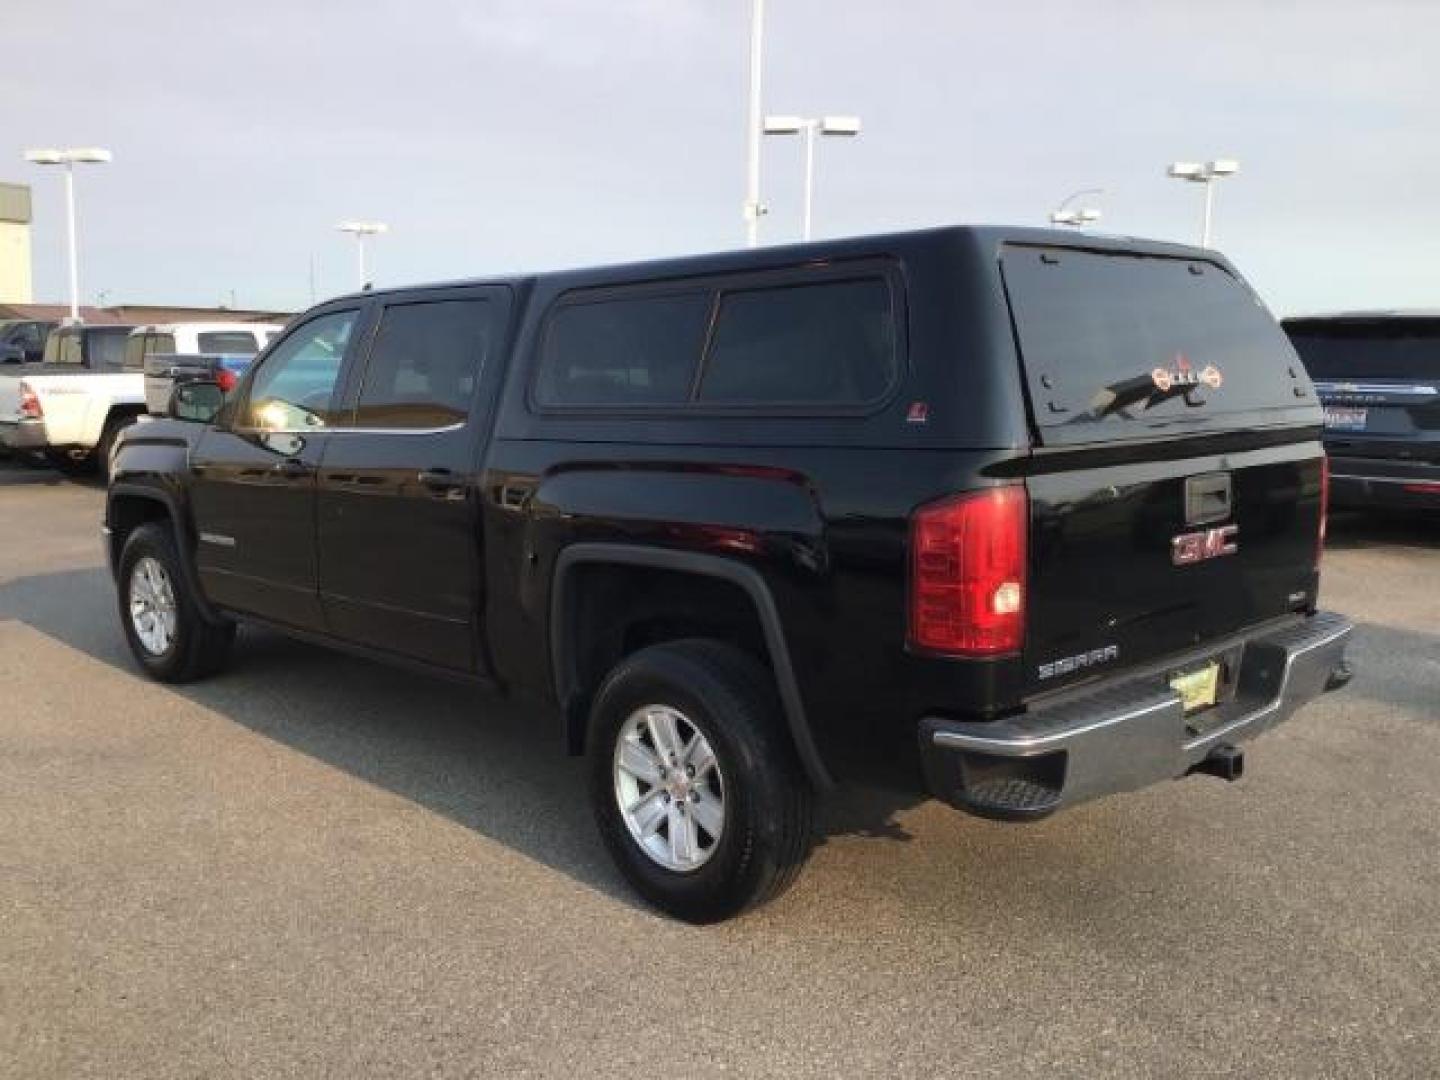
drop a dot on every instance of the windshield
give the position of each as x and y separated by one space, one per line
1119 345
1368 349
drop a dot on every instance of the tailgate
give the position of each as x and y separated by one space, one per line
10 394
1134 561
1176 481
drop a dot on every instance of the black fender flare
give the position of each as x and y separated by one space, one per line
564 662
183 547
123 409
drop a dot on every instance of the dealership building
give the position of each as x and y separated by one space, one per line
15 286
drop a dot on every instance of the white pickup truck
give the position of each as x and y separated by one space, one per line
91 385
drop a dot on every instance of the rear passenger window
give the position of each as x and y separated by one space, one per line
827 344
633 351
67 349
234 342
135 352
423 365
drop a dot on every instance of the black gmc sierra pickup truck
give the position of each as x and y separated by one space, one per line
1023 517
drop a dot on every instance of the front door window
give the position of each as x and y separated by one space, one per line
294 390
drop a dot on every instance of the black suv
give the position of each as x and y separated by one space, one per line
1019 517
1378 377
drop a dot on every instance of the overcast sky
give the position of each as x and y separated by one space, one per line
502 135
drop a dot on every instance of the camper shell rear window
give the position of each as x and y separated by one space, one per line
1118 345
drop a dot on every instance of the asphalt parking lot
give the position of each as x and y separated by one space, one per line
317 866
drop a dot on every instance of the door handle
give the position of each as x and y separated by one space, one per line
515 496
439 479
291 469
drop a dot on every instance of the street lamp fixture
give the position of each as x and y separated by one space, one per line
1196 173
1086 216
753 208
360 230
82 155
1080 216
810 126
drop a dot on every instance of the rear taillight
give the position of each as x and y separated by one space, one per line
967 573
1324 509
226 379
30 407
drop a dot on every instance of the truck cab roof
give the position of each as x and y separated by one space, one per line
985 237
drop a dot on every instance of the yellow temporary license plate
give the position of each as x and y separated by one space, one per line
1197 689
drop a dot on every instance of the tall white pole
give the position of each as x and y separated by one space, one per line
753 133
1205 229
809 174
70 234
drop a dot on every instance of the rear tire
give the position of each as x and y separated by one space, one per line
744 781
167 634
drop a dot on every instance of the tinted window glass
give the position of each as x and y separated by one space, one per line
636 351
294 388
107 347
1135 343
423 365
241 342
829 344
30 337
135 352
64 348
1374 349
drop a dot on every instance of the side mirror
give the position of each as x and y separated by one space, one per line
197 402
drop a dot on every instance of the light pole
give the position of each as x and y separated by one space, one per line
1085 215
360 230
1195 173
752 208
85 155
846 126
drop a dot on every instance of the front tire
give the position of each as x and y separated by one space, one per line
694 783
166 632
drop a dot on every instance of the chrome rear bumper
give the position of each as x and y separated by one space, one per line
1130 732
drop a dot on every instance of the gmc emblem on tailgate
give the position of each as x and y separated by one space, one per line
1196 547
